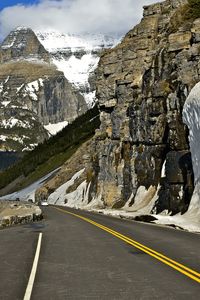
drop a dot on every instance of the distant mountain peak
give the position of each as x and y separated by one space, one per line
77 56
22 43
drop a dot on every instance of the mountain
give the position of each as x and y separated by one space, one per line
23 44
33 93
52 153
140 158
77 56
139 161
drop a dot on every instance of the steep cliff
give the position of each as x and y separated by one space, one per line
142 85
140 156
33 93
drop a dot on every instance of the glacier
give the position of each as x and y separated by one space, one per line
77 56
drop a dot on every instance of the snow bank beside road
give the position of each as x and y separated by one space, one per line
28 192
141 209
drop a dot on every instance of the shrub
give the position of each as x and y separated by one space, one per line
194 9
185 15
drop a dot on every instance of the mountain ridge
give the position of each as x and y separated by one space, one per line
33 93
77 56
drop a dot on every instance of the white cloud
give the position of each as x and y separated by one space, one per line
74 15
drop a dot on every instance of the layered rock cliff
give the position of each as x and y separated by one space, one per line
142 86
140 157
33 93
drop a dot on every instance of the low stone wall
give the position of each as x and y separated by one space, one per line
13 213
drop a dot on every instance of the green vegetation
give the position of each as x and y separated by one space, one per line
53 152
30 71
185 15
193 9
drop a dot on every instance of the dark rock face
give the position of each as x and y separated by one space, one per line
142 85
177 184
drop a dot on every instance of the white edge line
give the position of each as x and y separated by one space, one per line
29 288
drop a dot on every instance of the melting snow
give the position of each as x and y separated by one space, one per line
3 138
5 103
12 122
143 205
32 88
53 129
59 196
29 192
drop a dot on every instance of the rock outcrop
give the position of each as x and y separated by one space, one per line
22 43
142 86
33 93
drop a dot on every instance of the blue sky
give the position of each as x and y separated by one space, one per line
7 3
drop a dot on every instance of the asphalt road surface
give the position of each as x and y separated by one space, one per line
98 257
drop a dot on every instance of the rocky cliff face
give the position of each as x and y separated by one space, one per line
140 158
142 85
33 93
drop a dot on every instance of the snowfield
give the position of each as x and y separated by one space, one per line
53 129
77 56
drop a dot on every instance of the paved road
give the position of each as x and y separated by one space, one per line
81 261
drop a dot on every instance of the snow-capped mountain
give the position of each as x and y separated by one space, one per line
46 79
77 57
36 99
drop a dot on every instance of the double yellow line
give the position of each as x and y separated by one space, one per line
164 259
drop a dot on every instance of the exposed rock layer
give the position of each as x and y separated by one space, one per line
142 86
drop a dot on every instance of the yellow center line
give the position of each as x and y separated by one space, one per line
166 260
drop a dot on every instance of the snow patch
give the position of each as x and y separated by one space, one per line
77 70
32 88
3 138
5 103
163 171
53 129
9 45
29 192
12 122
58 197
90 98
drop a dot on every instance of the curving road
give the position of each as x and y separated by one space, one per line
98 257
